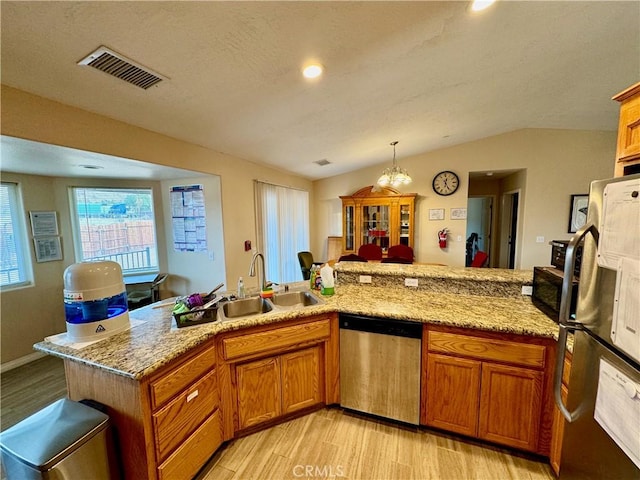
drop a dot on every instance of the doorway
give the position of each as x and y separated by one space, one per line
479 224
509 229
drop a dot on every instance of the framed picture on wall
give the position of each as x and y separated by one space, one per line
578 212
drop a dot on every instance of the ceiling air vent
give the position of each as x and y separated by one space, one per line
121 67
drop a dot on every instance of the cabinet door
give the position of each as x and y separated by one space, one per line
629 130
258 386
557 433
301 379
453 388
510 405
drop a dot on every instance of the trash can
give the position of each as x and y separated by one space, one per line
66 440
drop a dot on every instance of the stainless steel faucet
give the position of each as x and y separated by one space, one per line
252 270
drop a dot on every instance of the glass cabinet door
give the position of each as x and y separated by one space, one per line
375 225
349 228
405 225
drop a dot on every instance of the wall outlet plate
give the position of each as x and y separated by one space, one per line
540 239
527 290
365 278
410 282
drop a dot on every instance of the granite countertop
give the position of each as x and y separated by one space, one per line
437 271
154 340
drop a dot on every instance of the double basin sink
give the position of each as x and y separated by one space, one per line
249 307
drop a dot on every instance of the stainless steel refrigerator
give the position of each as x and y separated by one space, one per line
602 433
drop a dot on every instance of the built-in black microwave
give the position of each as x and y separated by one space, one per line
547 291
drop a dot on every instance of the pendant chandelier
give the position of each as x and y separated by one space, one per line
394 176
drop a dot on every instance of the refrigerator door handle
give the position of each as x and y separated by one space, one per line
569 268
559 370
566 324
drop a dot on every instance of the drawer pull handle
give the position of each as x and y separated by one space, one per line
192 395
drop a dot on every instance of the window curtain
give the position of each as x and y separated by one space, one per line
282 230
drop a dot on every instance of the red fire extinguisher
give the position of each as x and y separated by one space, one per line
442 237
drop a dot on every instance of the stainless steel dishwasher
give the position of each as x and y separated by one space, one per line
380 367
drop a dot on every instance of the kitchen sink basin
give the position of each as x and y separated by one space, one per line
294 299
246 307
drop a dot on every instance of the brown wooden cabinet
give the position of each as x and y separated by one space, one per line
510 405
628 146
384 217
301 379
490 386
168 424
275 386
557 429
276 370
447 407
259 391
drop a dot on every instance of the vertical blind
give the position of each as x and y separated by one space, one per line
15 265
282 217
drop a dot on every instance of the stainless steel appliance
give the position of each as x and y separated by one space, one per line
602 433
380 367
547 291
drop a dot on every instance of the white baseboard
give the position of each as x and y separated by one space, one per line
18 362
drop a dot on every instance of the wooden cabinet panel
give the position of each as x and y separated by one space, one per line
558 434
173 382
179 418
275 339
301 379
258 386
487 349
510 405
189 458
453 387
628 146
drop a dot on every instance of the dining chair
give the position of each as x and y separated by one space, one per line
370 251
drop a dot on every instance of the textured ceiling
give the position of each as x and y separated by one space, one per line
429 74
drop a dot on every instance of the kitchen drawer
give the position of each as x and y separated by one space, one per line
172 383
175 421
487 349
190 457
274 340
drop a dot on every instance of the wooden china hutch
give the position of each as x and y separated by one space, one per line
384 217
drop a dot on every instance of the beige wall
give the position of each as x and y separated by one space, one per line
35 118
28 314
558 163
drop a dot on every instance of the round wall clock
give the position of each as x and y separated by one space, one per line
445 183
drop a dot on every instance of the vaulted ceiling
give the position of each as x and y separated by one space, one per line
428 74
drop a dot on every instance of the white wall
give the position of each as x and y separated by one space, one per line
196 271
557 163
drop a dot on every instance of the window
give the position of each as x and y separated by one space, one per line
115 224
16 261
282 216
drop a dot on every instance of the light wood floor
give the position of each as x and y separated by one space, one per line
332 443
329 443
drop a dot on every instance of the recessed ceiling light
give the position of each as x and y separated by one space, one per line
479 5
312 71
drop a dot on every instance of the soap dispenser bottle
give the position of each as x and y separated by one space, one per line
240 288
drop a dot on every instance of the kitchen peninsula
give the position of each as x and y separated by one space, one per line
176 394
